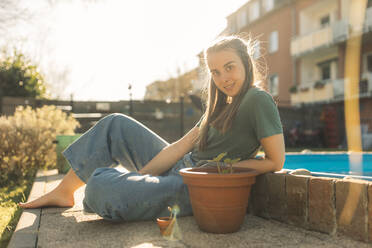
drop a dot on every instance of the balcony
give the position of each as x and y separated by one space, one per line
337 32
338 89
319 91
368 20
330 90
324 37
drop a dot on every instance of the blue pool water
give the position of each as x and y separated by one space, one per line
359 165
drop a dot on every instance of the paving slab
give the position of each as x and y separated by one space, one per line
72 227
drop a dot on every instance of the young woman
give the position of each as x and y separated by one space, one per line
239 119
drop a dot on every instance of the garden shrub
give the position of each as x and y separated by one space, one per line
27 140
20 77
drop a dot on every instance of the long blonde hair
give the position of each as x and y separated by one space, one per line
219 114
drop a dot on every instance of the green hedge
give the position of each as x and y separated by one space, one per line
27 140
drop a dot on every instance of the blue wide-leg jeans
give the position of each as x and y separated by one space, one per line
124 194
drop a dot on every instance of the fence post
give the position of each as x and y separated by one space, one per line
72 102
131 106
130 100
181 115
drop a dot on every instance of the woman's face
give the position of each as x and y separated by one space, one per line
227 71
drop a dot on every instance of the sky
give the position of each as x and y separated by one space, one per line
92 49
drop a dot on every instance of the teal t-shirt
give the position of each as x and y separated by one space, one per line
257 117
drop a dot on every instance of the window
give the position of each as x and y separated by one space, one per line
273 42
369 63
363 86
324 21
268 5
274 85
327 68
242 19
254 11
325 71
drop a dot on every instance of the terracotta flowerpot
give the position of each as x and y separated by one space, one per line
219 201
163 223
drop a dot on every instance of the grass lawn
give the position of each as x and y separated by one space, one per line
10 213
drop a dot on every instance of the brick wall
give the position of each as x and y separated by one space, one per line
278 62
328 205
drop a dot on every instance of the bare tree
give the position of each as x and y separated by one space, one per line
11 13
36 43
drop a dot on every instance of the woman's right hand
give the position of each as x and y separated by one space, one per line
169 156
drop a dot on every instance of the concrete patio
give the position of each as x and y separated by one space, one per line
71 227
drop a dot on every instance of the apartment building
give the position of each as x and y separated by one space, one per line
269 24
303 43
322 29
258 19
173 88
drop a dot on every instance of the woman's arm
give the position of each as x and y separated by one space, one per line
171 154
274 149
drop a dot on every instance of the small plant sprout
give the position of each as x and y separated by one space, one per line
219 157
173 231
170 210
173 211
230 162
227 161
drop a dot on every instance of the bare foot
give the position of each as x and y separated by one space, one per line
55 198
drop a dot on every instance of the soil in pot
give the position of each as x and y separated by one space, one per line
219 201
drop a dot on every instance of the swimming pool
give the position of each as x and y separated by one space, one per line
357 165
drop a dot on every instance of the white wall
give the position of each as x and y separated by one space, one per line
310 71
310 17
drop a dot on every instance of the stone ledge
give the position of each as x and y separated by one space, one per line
277 207
322 210
351 208
26 232
297 199
328 205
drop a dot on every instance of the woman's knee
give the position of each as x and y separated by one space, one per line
121 118
116 118
118 123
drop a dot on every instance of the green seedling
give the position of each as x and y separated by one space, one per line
173 231
227 161
173 211
219 157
